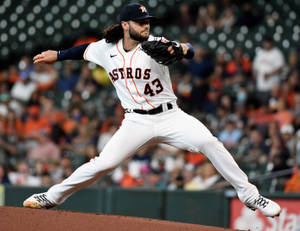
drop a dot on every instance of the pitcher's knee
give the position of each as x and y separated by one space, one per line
102 164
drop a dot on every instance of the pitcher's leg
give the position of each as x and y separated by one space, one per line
122 145
228 168
246 191
186 132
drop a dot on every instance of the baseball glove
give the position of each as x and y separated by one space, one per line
158 50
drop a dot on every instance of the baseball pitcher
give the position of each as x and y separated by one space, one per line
137 65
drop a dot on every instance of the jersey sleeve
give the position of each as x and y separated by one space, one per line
94 52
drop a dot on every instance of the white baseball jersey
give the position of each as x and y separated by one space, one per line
140 82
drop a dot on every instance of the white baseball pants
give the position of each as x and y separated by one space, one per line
174 127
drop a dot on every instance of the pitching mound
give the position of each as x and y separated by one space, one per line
15 218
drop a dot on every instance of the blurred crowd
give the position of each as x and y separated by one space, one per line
222 14
53 118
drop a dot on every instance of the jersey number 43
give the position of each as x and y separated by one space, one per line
156 85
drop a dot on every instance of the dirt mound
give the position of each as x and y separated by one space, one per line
15 218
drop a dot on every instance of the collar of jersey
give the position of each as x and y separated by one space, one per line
120 44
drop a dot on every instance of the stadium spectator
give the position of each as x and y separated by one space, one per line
267 67
86 82
82 139
278 155
227 19
188 176
46 180
44 76
34 124
257 147
176 180
41 171
154 179
80 142
230 135
127 180
241 99
23 177
207 16
288 92
221 60
206 176
11 135
283 115
45 150
294 85
275 95
8 148
200 66
13 75
293 63
200 69
159 167
211 102
25 66
39 168
287 132
68 78
185 15
12 126
261 116
23 90
3 76
66 163
272 130
254 154
50 114
240 65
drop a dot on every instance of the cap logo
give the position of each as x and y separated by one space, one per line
143 9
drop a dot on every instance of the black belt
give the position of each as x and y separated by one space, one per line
153 111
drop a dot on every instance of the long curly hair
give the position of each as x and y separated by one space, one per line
113 33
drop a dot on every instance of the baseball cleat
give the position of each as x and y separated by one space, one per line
38 201
268 207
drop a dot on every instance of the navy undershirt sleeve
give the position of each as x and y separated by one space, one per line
190 53
73 53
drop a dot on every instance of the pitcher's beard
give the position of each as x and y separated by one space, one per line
136 36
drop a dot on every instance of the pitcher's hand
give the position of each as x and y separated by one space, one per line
48 56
